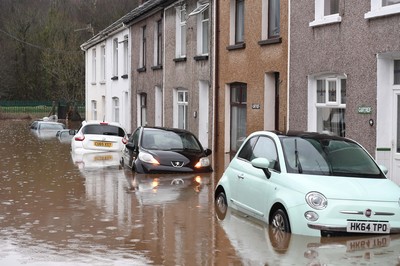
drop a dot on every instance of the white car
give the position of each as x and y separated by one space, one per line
98 136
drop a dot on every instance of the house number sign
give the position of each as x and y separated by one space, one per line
364 109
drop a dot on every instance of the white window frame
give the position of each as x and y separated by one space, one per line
378 10
115 57
94 110
312 100
181 30
115 109
203 35
126 55
94 65
185 105
320 18
143 40
103 63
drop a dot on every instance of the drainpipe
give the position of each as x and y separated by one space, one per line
215 79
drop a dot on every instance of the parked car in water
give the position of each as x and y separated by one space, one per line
98 136
310 184
46 129
65 135
163 150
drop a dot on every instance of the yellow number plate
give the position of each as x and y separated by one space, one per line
103 144
103 158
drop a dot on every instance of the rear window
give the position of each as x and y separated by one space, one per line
103 130
49 126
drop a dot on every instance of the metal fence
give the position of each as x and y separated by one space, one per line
40 108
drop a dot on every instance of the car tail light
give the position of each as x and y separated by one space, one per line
103 123
79 137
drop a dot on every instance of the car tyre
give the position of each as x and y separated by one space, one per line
280 221
221 205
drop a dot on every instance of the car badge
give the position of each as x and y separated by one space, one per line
368 212
177 164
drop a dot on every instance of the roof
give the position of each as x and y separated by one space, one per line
121 23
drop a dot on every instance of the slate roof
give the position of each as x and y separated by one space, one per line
136 13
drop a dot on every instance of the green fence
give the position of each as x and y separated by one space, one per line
38 109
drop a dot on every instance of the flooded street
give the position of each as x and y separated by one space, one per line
57 212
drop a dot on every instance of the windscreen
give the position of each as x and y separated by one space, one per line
328 157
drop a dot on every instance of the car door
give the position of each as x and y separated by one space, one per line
255 190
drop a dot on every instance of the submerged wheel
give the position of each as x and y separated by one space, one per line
221 205
280 221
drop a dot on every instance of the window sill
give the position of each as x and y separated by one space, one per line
236 46
114 78
180 59
270 41
124 76
158 67
93 83
384 11
326 20
142 69
201 57
102 82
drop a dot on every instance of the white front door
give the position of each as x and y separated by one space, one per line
395 175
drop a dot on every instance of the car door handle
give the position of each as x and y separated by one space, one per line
241 176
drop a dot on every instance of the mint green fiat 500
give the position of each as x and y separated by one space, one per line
310 184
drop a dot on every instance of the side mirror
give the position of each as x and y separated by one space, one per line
207 152
263 164
72 132
130 146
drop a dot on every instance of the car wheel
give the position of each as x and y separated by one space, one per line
221 205
280 221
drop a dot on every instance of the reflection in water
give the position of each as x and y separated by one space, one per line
53 212
260 244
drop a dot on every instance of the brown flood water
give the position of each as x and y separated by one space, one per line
56 212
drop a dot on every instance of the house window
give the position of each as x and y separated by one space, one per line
94 110
126 56
396 72
94 66
331 105
182 104
103 62
158 45
181 31
143 109
239 21
271 19
380 8
115 109
115 57
142 62
238 103
203 19
326 12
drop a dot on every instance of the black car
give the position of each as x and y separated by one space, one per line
165 150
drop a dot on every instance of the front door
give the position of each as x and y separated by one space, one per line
395 175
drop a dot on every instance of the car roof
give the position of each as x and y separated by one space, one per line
178 130
308 134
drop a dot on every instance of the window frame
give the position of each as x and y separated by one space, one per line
320 18
115 57
143 44
158 43
181 30
239 22
126 56
115 109
103 63
94 109
185 104
94 65
379 10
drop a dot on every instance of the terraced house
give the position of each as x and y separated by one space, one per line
345 73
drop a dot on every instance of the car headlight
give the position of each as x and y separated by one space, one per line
147 158
203 162
316 200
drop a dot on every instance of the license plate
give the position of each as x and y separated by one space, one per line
103 157
368 227
102 144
